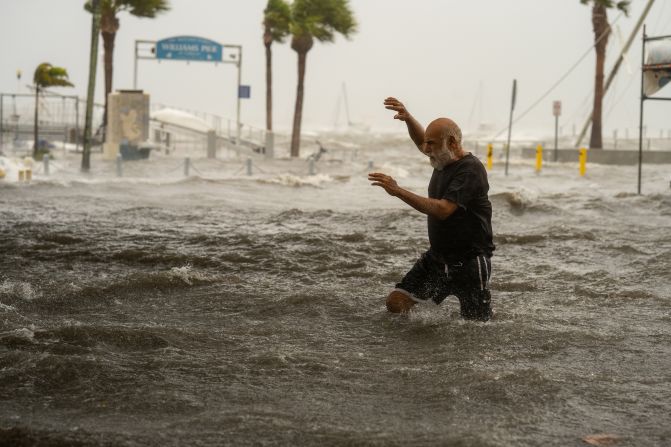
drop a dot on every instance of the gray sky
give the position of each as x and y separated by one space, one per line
441 57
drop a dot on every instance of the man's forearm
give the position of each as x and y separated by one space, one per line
440 209
416 131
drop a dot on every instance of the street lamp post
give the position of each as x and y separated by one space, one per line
93 63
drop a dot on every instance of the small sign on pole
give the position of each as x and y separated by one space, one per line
510 122
244 91
556 111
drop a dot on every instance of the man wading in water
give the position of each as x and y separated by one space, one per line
459 220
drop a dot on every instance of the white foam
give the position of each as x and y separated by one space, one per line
7 308
393 170
186 274
25 332
294 180
18 289
12 166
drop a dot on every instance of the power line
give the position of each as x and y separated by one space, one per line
561 79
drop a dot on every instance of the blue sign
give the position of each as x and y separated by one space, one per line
244 91
189 48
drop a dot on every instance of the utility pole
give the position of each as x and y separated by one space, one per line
93 64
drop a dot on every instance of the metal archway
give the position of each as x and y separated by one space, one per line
191 49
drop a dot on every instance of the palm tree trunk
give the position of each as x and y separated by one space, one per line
108 46
298 111
269 88
37 108
601 26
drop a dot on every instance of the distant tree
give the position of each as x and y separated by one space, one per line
310 20
601 33
109 25
276 20
46 75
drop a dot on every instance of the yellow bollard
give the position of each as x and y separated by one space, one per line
29 174
22 175
490 156
583 160
539 158
2 173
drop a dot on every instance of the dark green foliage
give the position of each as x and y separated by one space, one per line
322 19
139 8
621 5
46 75
277 20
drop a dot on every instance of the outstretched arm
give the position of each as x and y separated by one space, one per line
438 208
415 129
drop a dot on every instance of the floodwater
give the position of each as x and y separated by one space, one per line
226 309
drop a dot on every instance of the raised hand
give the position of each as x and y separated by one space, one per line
397 106
384 181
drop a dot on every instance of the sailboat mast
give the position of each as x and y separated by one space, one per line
344 92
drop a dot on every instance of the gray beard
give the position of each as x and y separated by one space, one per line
444 158
437 165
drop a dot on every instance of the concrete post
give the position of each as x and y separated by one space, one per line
187 165
119 166
270 144
211 144
249 166
311 164
45 160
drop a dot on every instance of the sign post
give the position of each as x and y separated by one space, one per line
510 122
556 111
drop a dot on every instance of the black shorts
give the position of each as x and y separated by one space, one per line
468 280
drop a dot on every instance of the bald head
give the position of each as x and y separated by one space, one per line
445 129
442 142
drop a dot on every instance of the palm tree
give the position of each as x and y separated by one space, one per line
46 75
276 20
310 20
601 33
109 25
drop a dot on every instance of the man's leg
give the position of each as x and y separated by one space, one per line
422 283
476 305
473 290
399 302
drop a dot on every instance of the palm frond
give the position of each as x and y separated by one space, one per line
323 19
146 8
622 5
138 8
277 19
46 75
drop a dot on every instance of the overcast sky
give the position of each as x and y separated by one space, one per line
451 58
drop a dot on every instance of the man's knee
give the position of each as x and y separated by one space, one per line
398 302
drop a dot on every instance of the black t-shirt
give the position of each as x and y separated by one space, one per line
467 233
